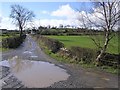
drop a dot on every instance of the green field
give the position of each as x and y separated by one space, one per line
86 42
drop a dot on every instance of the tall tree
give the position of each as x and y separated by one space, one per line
21 16
107 16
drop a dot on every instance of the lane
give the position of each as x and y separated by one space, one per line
26 64
28 50
79 77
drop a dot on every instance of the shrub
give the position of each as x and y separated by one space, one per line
52 44
12 42
110 60
83 54
49 32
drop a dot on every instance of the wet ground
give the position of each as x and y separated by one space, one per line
28 64
35 74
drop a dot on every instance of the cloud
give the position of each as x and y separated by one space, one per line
44 12
0 17
91 20
6 23
55 22
65 11
0 21
71 17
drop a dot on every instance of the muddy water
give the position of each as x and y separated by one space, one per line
36 74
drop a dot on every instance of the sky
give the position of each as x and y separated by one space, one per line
46 13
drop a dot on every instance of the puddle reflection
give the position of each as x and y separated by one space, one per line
37 74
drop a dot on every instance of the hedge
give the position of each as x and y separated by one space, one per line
85 55
12 42
52 44
79 54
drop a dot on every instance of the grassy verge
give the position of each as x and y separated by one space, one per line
56 56
4 49
65 60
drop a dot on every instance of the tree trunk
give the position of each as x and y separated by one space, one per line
103 50
20 31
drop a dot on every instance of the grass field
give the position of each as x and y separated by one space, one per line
86 42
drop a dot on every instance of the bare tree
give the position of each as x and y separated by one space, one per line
21 16
107 15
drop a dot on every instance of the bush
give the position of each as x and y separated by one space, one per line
49 32
110 60
12 42
53 45
83 54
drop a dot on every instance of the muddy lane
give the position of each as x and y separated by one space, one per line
32 73
35 74
28 66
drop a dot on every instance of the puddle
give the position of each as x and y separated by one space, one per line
34 56
29 52
32 50
36 74
4 63
107 79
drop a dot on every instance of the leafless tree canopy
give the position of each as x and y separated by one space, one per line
21 16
